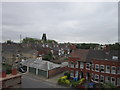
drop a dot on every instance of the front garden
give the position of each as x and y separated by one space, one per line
67 81
71 82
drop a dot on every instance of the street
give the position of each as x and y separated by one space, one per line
32 82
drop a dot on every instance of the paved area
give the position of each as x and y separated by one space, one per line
33 81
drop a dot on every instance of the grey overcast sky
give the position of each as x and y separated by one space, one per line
95 22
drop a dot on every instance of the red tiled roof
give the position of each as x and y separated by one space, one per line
80 53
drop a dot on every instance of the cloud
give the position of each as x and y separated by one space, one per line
73 22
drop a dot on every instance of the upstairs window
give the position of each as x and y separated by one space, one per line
81 65
76 65
88 66
107 69
101 68
113 70
115 57
97 67
72 64
118 70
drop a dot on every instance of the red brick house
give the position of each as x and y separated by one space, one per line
99 66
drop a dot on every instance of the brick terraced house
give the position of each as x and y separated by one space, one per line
99 66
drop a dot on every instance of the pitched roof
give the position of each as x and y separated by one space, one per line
40 64
87 55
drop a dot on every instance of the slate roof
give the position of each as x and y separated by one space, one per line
40 64
87 55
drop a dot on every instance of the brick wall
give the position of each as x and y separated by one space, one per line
56 71
11 81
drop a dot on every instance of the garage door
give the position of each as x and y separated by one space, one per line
32 70
42 73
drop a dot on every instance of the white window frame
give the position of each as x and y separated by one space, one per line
114 83
88 66
106 79
115 57
101 78
107 71
98 67
76 64
118 70
96 78
81 65
69 64
118 81
72 73
72 64
113 71
102 68
76 74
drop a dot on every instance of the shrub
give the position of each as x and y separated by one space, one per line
67 82
64 77
63 81
81 80
75 83
67 74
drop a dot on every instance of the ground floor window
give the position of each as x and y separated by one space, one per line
107 79
81 74
72 73
76 74
96 77
101 78
118 81
113 80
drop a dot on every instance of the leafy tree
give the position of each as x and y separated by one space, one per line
48 56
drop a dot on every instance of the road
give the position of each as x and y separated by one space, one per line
31 82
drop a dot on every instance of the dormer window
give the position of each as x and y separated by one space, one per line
115 57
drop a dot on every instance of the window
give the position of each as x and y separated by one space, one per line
72 73
97 67
76 74
107 79
118 70
81 65
88 66
118 81
101 78
92 67
113 70
115 57
69 64
107 69
101 68
96 77
113 81
76 64
72 64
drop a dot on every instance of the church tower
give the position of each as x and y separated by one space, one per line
44 37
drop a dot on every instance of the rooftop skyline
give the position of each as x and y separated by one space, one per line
95 22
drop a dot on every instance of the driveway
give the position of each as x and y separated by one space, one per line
32 81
